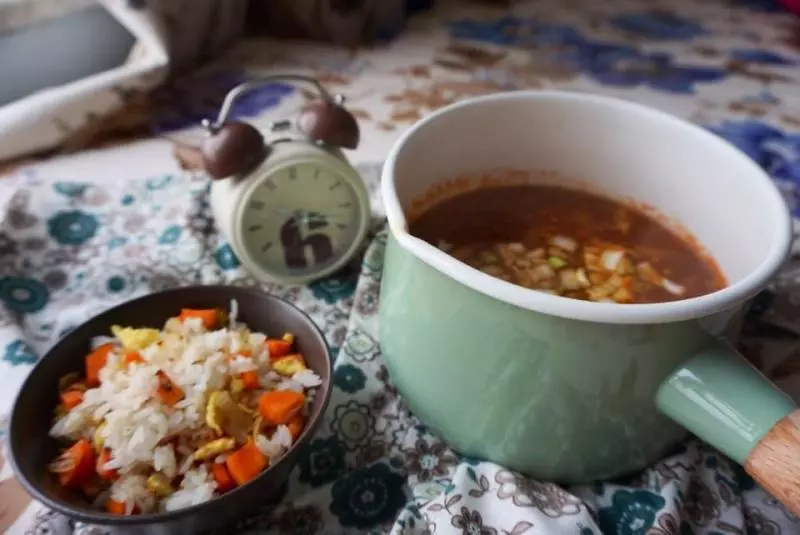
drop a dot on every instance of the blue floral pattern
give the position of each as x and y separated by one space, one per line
23 295
17 353
609 63
187 102
349 378
777 151
369 497
631 512
72 227
658 25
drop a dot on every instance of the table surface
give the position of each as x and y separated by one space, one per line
84 231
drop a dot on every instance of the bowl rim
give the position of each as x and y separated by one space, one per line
103 518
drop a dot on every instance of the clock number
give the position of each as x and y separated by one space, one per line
256 205
336 185
295 243
270 185
292 173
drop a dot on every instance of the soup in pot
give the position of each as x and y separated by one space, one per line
569 243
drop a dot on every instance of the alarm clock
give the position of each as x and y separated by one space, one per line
289 203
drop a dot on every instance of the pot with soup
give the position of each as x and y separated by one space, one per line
560 276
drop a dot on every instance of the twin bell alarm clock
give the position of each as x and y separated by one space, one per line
292 208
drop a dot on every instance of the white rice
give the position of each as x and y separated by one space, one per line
136 425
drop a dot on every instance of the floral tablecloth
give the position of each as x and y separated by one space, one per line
84 232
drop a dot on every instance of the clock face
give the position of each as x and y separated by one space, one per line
301 220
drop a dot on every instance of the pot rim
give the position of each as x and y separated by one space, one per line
696 307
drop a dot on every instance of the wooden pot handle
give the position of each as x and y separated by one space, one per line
775 461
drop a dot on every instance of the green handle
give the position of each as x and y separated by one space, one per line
725 401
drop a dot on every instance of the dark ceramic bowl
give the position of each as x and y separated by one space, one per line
32 448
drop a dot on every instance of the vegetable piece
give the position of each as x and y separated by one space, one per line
168 392
93 486
68 380
159 485
115 508
132 357
246 463
97 439
134 339
611 258
296 425
71 398
209 317
672 287
289 365
278 348
569 279
102 459
562 242
649 274
237 386
222 477
95 362
211 449
75 465
556 262
257 425
250 380
622 295
288 338
278 407
226 417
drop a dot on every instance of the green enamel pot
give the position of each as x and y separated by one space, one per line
563 389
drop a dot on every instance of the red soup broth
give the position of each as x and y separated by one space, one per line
570 243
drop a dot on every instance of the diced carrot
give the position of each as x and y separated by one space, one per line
222 477
102 459
296 425
250 380
71 398
209 317
246 463
115 508
168 392
278 348
95 362
118 508
132 357
278 407
78 464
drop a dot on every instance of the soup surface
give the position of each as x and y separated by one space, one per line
569 243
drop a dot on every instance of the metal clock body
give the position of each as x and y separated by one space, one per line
298 216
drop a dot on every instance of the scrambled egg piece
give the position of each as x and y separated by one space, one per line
289 365
211 449
135 339
159 485
226 417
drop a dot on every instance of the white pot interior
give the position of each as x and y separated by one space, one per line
623 150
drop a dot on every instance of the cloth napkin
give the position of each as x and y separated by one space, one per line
170 35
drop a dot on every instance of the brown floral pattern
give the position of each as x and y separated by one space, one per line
702 505
470 522
426 461
549 498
